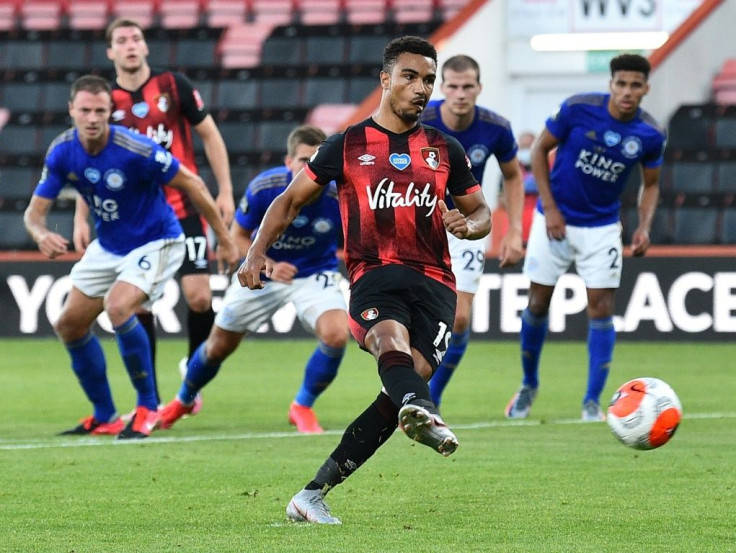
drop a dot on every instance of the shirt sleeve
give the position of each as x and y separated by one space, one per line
461 180
53 177
163 166
558 122
192 105
326 164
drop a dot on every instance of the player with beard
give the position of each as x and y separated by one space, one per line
165 106
392 174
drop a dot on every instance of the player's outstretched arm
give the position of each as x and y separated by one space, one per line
648 198
543 145
216 152
49 243
512 249
81 234
227 251
279 215
471 220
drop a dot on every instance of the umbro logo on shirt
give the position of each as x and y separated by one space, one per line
366 159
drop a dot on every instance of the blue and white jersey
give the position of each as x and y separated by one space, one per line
310 241
488 135
121 184
595 155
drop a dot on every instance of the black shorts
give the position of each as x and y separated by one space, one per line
195 260
423 305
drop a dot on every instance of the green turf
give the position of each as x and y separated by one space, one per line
219 482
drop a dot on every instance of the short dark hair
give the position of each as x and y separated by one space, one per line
406 44
304 134
120 22
631 62
461 63
91 83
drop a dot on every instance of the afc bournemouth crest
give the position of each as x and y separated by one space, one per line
369 314
431 157
163 103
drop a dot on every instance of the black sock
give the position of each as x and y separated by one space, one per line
361 440
198 327
148 322
401 381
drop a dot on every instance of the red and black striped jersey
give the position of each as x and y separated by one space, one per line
388 186
164 108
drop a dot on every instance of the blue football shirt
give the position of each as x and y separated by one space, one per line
310 241
595 155
121 184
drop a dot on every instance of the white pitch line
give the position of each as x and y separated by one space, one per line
14 445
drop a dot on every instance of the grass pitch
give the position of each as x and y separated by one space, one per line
220 481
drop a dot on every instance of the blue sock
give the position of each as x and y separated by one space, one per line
533 333
321 369
601 339
200 371
455 351
88 363
135 350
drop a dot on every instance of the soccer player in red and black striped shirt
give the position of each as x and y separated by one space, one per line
392 174
165 106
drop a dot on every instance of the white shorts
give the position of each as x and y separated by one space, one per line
596 252
468 261
148 267
245 310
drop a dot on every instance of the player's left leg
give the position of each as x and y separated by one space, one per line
456 348
200 316
601 341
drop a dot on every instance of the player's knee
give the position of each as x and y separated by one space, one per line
199 303
68 329
334 336
462 323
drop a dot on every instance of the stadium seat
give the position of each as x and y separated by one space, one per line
239 137
16 183
329 90
236 94
66 54
49 133
55 96
280 93
180 14
692 176
659 233
88 14
19 139
450 8
690 127
274 12
195 52
206 89
40 15
726 132
695 225
14 235
282 51
330 117
21 97
359 88
726 176
319 12
160 52
242 43
365 12
413 11
367 48
728 234
225 13
8 15
143 11
273 135
24 54
325 50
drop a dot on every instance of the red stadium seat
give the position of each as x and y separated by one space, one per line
365 12
413 11
88 14
180 14
320 12
41 15
241 44
143 11
274 12
330 117
8 14
224 13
